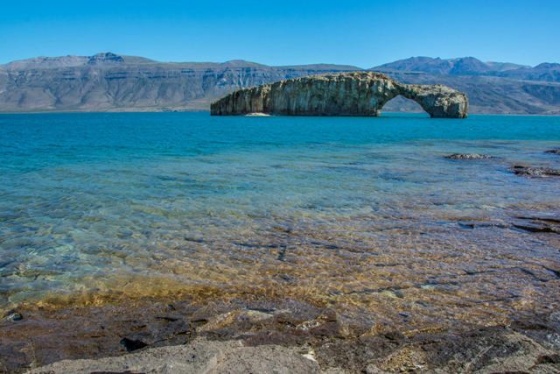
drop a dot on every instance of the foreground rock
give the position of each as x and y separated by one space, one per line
545 224
493 350
344 94
201 356
288 337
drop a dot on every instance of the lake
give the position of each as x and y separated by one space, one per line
364 214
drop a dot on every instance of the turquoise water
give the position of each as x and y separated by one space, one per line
144 203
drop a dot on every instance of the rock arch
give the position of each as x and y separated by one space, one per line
401 104
345 94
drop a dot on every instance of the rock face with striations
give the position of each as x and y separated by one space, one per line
344 94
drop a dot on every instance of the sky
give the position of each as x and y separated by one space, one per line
289 32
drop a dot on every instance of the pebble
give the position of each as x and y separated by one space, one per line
14 316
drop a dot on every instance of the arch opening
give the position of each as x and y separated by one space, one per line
400 104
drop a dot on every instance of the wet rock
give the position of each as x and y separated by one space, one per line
308 325
194 239
132 345
228 325
549 359
282 253
254 316
406 359
553 151
13 316
481 224
394 335
468 156
198 357
332 337
47 336
554 319
535 172
373 369
538 224
272 337
356 355
536 228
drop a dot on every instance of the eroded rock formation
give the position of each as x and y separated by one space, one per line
344 94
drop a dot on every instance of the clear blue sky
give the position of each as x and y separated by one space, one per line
362 33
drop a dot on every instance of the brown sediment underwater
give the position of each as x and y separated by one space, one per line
309 285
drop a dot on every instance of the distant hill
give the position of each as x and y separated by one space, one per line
110 82
492 87
456 66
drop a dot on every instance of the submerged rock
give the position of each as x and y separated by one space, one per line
467 156
554 151
536 172
345 94
13 316
538 224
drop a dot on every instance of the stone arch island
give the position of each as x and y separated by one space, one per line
345 94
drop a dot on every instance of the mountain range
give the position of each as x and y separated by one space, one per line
110 82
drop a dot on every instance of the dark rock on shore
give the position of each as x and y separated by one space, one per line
468 156
343 94
538 224
535 172
482 224
132 345
13 316
526 346
44 337
269 336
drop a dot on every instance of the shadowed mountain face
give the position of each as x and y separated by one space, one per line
109 82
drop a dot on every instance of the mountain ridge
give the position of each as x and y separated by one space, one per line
111 82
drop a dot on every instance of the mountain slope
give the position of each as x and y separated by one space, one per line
456 66
492 87
109 82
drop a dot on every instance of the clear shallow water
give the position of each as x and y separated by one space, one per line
364 212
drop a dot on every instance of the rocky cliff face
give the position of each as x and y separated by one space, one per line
343 94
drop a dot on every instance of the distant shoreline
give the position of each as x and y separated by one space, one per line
140 110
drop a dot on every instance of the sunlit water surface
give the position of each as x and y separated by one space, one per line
358 213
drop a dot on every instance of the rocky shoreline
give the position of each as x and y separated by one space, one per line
285 335
405 322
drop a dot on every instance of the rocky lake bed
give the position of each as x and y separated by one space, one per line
316 245
310 338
